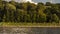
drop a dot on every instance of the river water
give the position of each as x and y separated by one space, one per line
29 30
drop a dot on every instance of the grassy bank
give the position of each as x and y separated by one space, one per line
8 24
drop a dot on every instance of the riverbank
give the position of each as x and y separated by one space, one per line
6 24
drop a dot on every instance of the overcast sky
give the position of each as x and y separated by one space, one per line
54 1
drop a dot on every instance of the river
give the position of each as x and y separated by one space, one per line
29 30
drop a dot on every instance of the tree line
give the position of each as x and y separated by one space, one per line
28 12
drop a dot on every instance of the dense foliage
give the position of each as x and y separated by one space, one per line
29 12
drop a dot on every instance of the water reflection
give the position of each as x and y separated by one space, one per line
29 30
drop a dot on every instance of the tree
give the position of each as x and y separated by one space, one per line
48 4
41 16
1 10
13 2
51 15
56 10
20 15
55 18
48 12
9 10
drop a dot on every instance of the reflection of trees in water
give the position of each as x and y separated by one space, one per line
38 30
22 30
15 30
31 30
53 31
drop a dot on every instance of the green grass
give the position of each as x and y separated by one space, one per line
8 24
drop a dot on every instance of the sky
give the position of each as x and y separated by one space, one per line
44 1
53 1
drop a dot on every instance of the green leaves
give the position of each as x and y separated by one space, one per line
29 12
11 7
55 18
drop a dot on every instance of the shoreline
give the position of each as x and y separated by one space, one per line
29 24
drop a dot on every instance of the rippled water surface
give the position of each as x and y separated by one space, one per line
29 30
